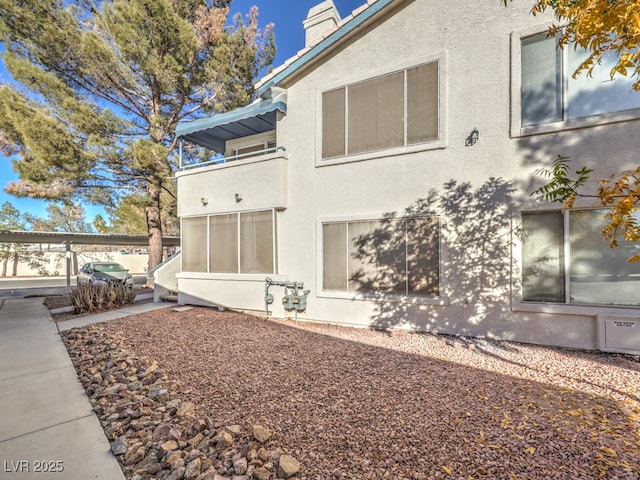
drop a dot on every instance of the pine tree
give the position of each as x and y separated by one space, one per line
98 88
61 218
10 219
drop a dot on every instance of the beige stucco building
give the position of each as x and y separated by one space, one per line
389 168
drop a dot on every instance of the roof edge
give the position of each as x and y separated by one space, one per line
24 236
306 56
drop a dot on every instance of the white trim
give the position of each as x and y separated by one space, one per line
566 251
383 297
238 245
208 243
573 309
389 152
231 277
274 239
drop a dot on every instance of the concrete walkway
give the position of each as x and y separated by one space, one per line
103 317
48 429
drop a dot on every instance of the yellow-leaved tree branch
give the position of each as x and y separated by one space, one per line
601 27
621 194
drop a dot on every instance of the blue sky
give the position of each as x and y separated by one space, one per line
287 17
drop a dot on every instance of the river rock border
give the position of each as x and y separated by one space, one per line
153 433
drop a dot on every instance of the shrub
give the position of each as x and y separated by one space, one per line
98 298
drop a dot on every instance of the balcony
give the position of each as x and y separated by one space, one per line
248 182
234 157
244 168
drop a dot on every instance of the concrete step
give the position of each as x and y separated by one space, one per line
169 297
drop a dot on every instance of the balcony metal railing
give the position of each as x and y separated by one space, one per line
232 158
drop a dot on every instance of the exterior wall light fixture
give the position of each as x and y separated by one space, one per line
472 139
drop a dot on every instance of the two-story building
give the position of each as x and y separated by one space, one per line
389 167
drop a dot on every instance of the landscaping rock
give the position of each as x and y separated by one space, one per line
154 433
288 466
119 447
261 434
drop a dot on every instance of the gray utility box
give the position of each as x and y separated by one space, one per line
619 333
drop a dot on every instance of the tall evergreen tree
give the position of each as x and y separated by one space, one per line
127 218
99 87
61 218
10 219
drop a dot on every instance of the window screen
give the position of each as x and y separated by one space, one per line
194 244
423 256
543 257
422 104
223 243
334 253
600 274
376 114
541 80
256 242
333 123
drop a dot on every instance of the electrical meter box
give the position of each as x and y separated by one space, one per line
619 333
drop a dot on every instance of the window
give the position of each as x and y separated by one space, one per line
550 94
394 110
229 243
394 256
260 147
244 147
194 244
566 260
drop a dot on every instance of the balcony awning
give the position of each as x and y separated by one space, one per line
212 132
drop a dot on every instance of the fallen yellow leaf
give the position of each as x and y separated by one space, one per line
530 450
609 451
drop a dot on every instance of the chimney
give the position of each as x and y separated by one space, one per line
321 19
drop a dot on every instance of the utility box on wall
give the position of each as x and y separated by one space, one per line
618 333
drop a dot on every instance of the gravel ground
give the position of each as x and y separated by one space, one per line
362 404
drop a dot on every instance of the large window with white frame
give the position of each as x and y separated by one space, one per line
549 93
241 242
394 110
566 260
399 256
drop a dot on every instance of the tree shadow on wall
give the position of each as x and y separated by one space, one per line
608 149
446 266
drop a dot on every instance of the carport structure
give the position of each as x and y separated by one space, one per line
19 236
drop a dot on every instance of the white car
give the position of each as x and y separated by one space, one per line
104 273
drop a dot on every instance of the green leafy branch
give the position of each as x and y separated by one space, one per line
562 187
